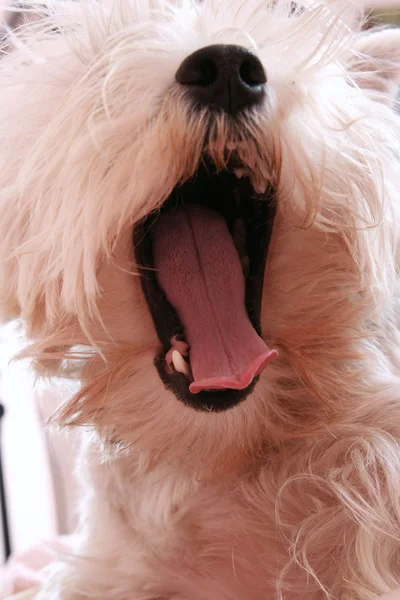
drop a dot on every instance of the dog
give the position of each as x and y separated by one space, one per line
200 219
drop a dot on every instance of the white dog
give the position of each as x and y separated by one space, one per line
200 219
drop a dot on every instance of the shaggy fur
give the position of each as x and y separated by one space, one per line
295 493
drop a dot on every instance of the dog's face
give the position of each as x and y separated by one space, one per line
198 208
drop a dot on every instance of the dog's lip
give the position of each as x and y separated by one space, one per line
216 401
223 190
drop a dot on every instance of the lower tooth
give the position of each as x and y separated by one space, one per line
180 364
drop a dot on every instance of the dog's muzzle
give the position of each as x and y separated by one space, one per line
226 77
203 253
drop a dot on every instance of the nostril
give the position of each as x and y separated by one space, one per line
252 73
202 72
207 73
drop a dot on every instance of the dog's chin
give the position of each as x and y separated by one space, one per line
202 259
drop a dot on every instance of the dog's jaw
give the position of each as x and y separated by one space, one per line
203 263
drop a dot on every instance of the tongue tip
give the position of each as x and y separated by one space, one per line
238 382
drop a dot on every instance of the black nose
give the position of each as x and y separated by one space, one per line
228 77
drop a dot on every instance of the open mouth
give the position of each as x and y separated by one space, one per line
202 258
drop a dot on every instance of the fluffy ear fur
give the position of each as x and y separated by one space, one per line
376 63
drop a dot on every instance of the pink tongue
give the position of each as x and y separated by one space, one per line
199 270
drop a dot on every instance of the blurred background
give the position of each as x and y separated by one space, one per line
37 463
37 483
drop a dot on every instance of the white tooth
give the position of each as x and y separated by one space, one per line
260 188
239 173
180 364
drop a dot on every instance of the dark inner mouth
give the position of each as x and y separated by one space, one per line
248 216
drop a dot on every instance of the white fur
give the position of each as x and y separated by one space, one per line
295 493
